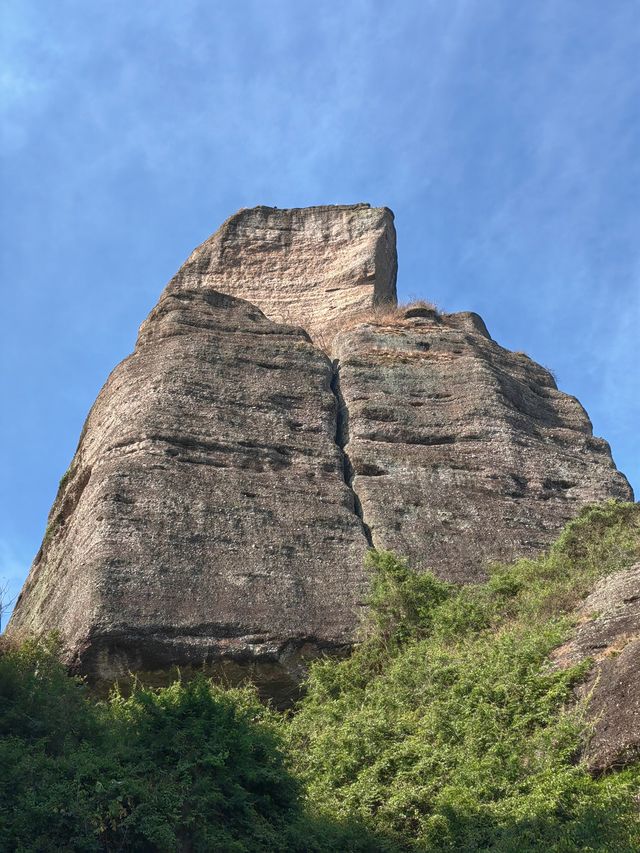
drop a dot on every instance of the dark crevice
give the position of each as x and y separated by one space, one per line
408 438
342 439
557 485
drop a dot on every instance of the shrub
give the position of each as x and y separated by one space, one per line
448 729
189 767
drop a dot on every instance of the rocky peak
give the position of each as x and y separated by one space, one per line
230 477
309 267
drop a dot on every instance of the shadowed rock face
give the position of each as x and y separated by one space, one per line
609 634
210 514
307 266
461 452
205 516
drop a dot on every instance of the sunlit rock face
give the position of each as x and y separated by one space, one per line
461 452
205 517
311 267
231 476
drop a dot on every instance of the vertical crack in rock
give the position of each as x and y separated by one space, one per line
465 453
342 439
215 440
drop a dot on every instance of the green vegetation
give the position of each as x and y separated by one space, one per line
190 767
446 730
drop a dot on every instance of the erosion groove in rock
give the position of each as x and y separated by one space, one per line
463 453
215 524
608 633
342 439
309 266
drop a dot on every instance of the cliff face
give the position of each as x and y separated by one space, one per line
230 477
205 516
305 266
462 452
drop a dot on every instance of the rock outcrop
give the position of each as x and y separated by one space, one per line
609 634
460 452
306 266
230 477
204 517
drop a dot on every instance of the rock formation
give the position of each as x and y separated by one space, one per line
462 452
204 516
609 634
230 476
305 266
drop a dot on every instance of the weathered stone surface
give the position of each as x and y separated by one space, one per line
609 634
307 266
208 515
461 452
205 515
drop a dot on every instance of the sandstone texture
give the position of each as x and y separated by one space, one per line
230 476
462 453
609 634
204 516
307 266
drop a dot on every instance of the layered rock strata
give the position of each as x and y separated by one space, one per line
230 477
204 517
309 266
460 452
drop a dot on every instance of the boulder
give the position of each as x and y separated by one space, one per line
608 634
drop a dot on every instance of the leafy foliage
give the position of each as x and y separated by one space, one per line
448 729
189 767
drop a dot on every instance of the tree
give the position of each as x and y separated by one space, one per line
5 599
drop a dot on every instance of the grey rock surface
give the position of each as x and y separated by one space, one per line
462 453
205 516
609 634
308 266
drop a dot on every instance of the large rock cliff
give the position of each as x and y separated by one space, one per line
205 517
231 476
461 452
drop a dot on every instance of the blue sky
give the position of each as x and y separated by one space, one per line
505 136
